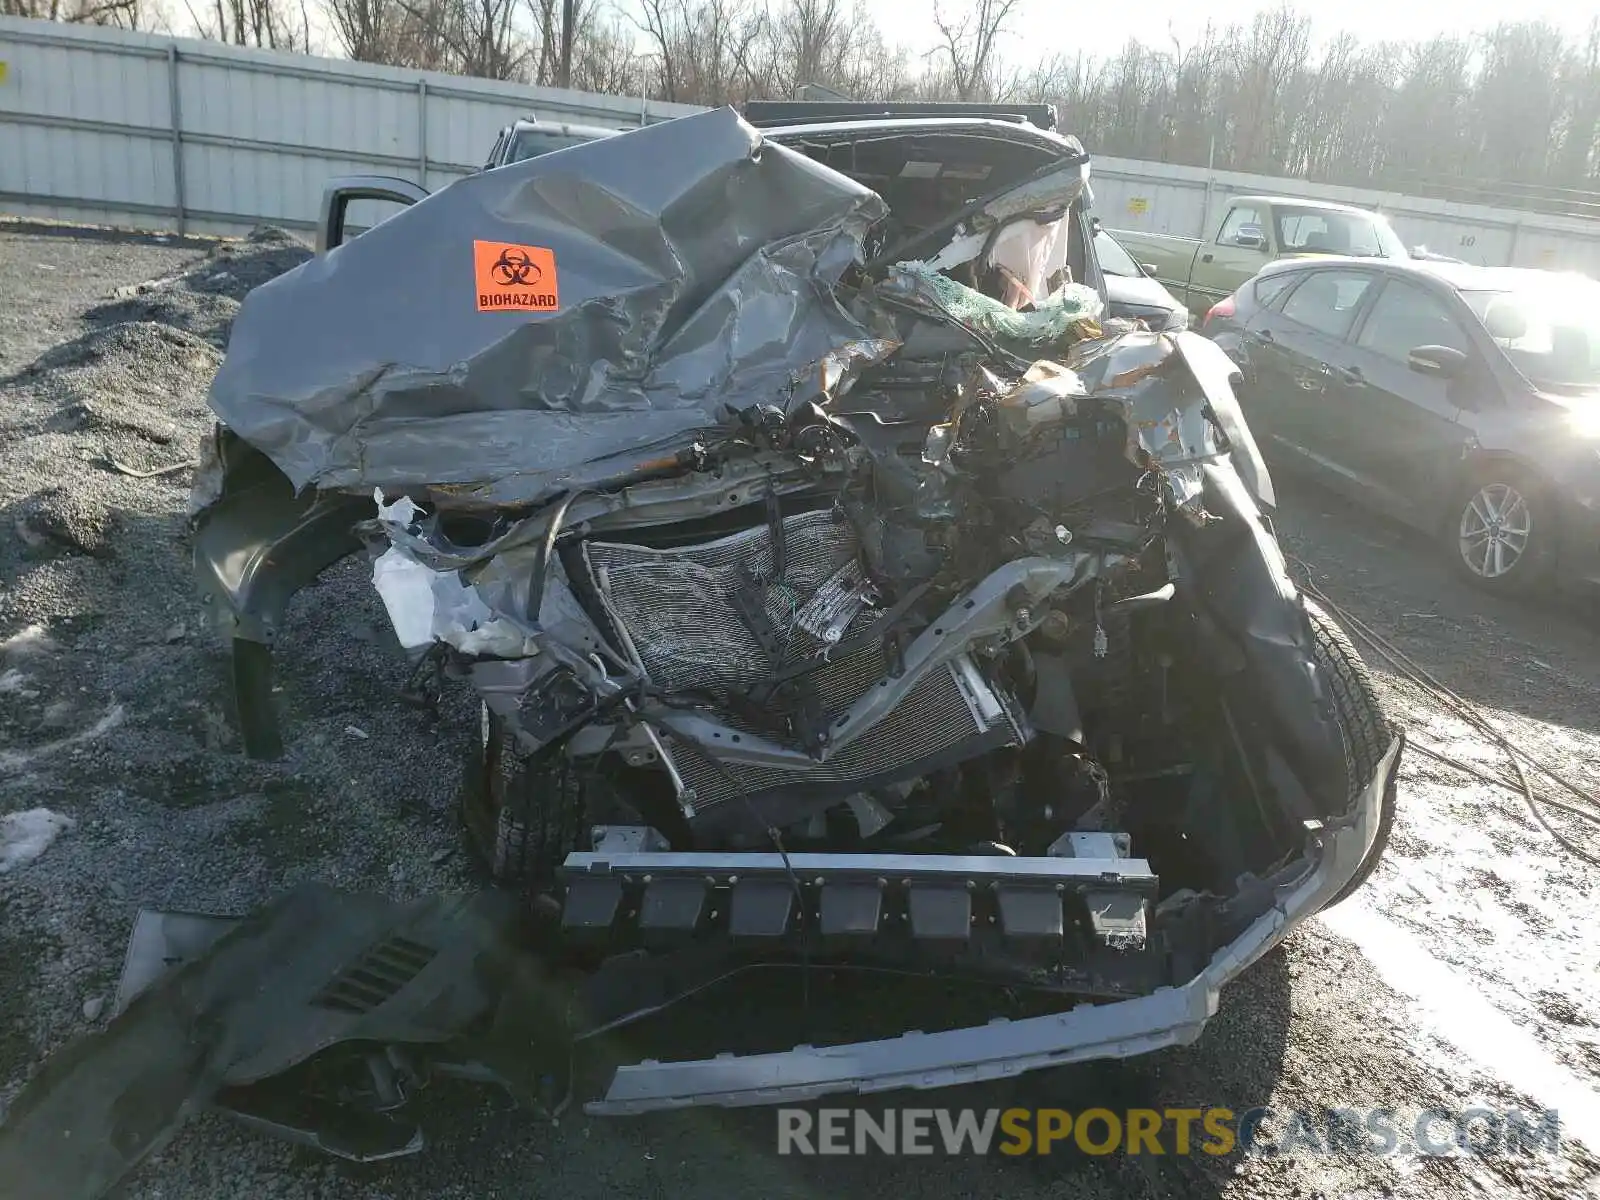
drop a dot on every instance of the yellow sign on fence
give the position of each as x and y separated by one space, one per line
1138 205
2 70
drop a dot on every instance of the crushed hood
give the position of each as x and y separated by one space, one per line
591 303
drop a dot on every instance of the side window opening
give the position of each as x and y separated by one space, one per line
1327 301
1268 289
1242 219
1404 317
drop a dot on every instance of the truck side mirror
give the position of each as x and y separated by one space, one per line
1149 269
337 195
1250 239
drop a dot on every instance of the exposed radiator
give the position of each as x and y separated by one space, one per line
949 716
678 606
680 609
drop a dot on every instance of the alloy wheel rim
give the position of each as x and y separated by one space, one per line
1495 528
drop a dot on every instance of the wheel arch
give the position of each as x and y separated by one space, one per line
1482 464
1479 460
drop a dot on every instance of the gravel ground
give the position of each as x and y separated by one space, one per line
111 714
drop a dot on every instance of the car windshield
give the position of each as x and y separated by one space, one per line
1114 260
1550 330
1315 230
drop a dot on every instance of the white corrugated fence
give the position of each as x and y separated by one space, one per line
117 128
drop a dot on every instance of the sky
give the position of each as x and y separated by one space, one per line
1042 27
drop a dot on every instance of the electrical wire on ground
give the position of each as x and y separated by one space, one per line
1588 808
776 838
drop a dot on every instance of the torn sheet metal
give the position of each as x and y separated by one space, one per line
163 942
1046 395
1218 375
1164 406
427 606
598 302
522 654
839 369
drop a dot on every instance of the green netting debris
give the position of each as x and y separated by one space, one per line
1069 313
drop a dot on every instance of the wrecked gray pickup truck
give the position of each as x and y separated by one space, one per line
840 592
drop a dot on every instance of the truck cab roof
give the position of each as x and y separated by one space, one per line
1303 202
766 113
529 137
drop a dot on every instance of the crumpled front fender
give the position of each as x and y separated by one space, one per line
256 543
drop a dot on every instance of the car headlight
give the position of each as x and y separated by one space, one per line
1585 422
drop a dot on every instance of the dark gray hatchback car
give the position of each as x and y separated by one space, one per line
1463 400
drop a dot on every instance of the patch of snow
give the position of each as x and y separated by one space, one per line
1449 1007
24 836
15 760
14 683
33 639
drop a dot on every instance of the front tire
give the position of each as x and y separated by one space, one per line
1363 724
521 813
1499 531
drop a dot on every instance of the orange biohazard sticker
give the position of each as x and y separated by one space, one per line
512 278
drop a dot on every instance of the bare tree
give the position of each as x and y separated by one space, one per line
369 30
705 51
483 38
124 14
1580 132
1265 58
550 22
660 25
269 24
1426 117
810 41
1514 110
1516 98
967 45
